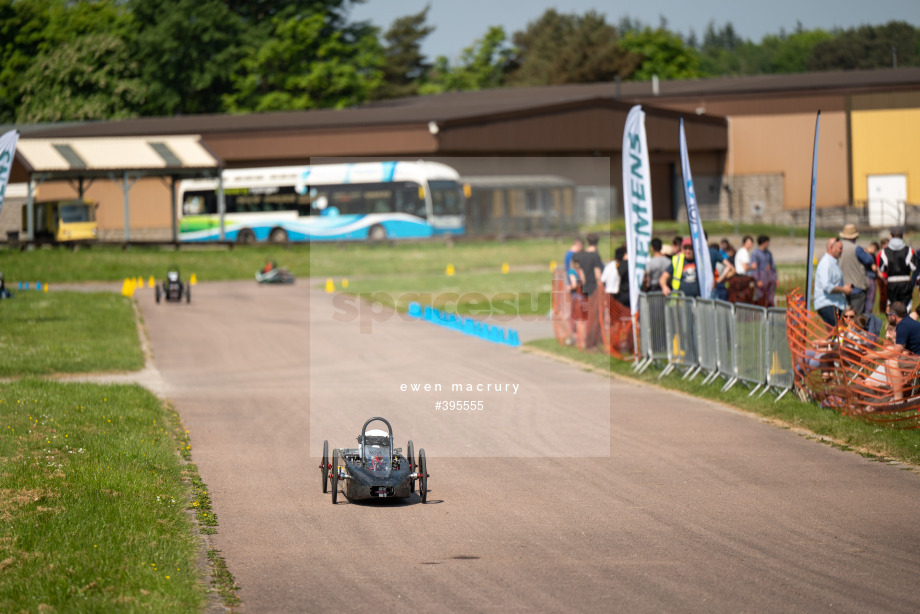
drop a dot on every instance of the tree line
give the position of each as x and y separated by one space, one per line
65 60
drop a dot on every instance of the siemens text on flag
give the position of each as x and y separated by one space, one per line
7 151
637 201
700 248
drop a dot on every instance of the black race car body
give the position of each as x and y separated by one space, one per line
173 288
374 470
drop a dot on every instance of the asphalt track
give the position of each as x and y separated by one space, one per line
690 506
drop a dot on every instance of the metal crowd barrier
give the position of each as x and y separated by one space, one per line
750 322
778 356
735 342
705 316
681 335
726 357
653 336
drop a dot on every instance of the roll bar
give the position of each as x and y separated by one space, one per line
364 430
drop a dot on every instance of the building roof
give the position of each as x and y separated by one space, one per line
63 158
469 105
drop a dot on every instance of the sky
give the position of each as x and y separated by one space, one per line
459 23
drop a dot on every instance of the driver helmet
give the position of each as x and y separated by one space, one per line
172 275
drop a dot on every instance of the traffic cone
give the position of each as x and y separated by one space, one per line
504 268
193 280
344 283
450 270
552 265
151 282
140 282
330 286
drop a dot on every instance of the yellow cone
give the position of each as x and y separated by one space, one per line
193 280
330 286
127 288
45 288
151 282
140 282
344 282
505 268
552 265
450 270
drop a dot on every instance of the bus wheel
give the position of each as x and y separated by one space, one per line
377 233
246 236
278 235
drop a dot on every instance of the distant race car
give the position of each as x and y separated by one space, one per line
173 289
272 274
375 470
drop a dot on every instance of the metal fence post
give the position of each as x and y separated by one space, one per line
725 343
750 322
778 358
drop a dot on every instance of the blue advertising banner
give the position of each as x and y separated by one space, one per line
700 248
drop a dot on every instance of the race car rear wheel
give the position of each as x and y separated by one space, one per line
410 454
422 475
324 468
335 477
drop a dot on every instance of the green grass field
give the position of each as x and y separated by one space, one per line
94 500
67 332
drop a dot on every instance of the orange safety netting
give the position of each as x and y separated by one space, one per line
616 325
601 320
847 369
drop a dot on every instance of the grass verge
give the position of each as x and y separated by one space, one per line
68 332
95 501
841 431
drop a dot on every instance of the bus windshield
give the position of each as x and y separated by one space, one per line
77 213
446 198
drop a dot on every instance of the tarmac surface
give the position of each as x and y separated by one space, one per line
575 493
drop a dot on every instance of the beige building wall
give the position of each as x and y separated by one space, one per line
783 145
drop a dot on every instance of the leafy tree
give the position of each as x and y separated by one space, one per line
22 27
789 54
868 47
187 50
308 64
567 48
661 53
482 65
90 77
405 66
41 38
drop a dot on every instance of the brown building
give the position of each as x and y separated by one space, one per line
750 141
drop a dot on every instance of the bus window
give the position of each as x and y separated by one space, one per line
407 201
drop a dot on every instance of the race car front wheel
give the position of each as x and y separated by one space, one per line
335 477
324 468
422 475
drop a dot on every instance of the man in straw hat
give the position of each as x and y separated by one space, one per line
854 261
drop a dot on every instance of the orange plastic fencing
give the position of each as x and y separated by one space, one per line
616 328
576 321
846 369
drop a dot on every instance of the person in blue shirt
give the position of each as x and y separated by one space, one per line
903 356
830 291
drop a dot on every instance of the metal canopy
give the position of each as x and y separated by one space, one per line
73 158
124 160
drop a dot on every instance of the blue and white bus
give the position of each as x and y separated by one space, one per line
330 202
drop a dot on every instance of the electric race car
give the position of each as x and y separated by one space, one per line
375 470
173 289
